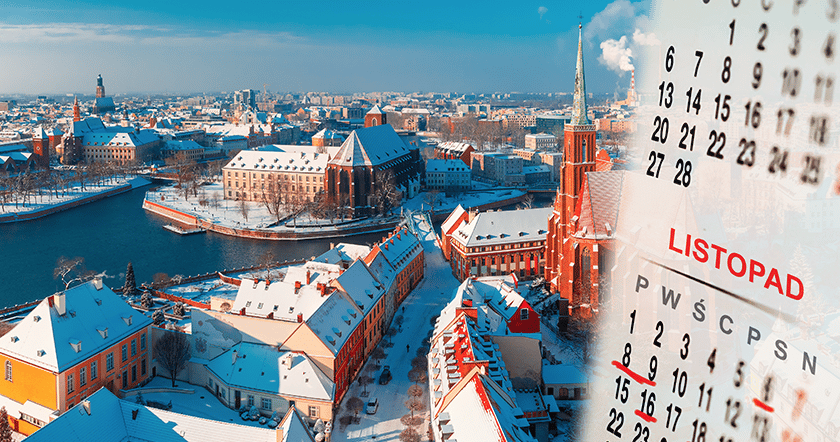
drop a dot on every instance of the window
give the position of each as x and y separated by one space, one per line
250 400
143 341
93 373
523 314
133 373
313 412
82 376
133 347
9 370
265 403
143 367
109 362
71 387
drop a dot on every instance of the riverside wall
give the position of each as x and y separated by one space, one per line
39 213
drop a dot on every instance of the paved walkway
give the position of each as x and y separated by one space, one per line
422 304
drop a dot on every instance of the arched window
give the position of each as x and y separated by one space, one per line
584 150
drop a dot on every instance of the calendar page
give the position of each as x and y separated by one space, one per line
723 320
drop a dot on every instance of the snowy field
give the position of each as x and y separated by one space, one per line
482 194
47 199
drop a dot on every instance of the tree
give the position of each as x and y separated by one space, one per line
272 198
72 270
158 317
378 354
432 198
160 279
386 196
355 405
146 300
130 285
415 406
419 362
364 381
5 427
409 435
243 208
418 375
527 202
172 352
178 309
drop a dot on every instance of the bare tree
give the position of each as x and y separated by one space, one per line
377 354
386 196
527 202
71 270
409 435
272 198
243 208
415 406
418 375
431 198
172 352
364 381
266 261
355 405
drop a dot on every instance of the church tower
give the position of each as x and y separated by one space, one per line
100 89
578 159
76 112
375 117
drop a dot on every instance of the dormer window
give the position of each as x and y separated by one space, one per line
77 346
128 320
103 332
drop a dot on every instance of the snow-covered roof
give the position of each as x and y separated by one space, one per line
453 217
261 367
344 253
452 147
289 297
502 227
127 421
435 165
375 110
114 137
400 248
299 161
360 285
328 135
294 428
183 145
333 322
371 146
94 319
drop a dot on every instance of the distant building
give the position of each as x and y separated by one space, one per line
496 243
102 104
16 158
326 138
189 150
519 121
448 175
71 345
552 124
375 117
449 150
89 140
245 99
474 109
505 169
541 142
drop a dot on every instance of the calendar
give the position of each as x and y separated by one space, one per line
722 321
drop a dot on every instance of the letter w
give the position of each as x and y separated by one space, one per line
669 297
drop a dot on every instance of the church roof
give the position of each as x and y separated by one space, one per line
579 117
371 146
375 110
597 208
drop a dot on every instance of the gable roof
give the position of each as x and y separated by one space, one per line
371 146
500 227
95 319
597 209
126 421
453 219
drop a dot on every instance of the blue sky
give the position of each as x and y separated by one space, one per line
191 46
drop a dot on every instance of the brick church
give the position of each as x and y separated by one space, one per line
581 226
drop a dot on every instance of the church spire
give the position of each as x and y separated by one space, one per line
579 116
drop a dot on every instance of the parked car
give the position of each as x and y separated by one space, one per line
385 377
372 406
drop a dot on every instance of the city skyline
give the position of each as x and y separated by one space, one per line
187 48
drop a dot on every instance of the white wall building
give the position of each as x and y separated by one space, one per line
447 175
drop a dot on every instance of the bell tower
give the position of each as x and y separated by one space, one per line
100 89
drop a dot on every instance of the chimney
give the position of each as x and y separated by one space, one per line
308 277
300 317
297 287
134 413
60 301
472 215
235 356
97 283
332 245
86 406
242 311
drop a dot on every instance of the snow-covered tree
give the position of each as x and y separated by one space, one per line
158 317
178 309
130 285
146 300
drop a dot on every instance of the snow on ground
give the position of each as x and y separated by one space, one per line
201 403
228 213
202 291
48 199
424 302
474 198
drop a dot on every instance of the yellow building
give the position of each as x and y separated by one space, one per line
69 346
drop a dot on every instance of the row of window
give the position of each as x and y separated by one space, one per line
285 176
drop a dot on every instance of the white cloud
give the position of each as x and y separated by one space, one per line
642 39
616 55
542 10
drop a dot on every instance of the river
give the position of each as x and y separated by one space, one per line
111 232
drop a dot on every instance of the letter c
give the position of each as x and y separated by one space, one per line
725 330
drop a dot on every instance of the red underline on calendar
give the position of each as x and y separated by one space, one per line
634 376
762 405
645 417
